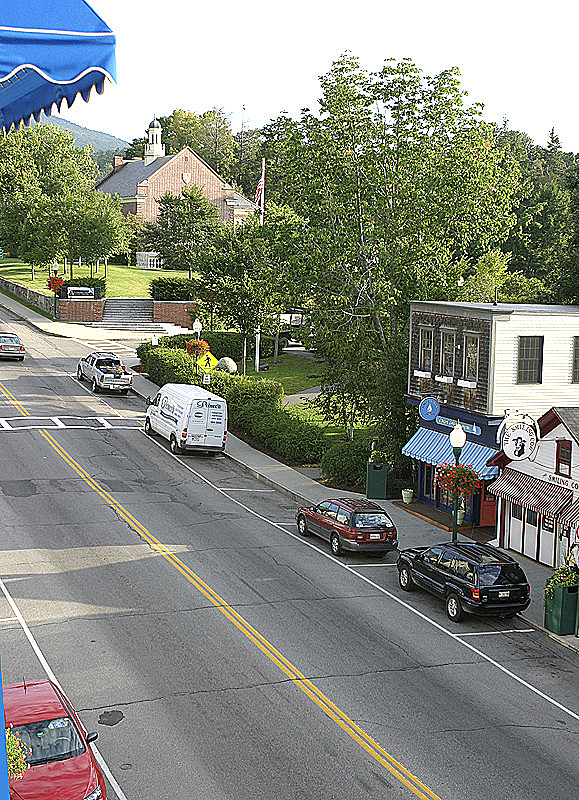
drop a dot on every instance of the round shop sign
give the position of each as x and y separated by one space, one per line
519 441
429 408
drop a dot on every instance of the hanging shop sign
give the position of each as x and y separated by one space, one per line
519 441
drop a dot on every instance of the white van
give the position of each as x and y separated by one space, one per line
190 417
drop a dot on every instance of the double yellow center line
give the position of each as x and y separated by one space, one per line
298 678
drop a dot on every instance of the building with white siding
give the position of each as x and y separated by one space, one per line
538 513
481 362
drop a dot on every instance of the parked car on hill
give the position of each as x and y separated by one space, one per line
61 762
471 577
11 346
349 524
104 371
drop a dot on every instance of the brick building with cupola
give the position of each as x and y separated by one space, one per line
141 182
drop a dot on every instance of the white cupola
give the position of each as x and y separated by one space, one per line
154 149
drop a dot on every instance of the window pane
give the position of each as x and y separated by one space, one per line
471 358
576 359
426 349
447 354
530 359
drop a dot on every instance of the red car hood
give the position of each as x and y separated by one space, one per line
72 779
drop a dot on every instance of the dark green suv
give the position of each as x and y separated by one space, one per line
470 577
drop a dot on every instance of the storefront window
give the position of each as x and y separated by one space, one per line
429 481
516 511
532 517
548 524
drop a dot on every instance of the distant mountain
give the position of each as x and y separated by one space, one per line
83 136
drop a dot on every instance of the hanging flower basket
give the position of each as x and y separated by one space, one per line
197 348
55 284
457 478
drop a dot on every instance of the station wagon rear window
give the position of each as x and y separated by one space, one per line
501 575
50 740
372 519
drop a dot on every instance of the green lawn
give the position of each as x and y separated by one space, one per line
310 413
294 372
121 281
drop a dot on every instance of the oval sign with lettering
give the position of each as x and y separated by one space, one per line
519 441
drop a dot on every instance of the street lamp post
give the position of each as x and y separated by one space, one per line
197 330
457 441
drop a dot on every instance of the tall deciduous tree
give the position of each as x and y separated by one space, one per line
399 181
184 230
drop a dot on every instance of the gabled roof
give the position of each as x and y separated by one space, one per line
568 415
125 179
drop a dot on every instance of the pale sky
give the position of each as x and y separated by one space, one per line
518 57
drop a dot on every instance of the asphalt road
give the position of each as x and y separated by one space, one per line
219 655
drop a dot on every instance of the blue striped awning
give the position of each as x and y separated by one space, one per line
433 447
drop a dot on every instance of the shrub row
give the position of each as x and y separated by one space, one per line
221 344
255 406
169 288
346 462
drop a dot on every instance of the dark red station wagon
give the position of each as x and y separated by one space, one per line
349 524
62 765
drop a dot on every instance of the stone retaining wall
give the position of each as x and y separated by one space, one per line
34 298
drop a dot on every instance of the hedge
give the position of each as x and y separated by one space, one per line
221 343
98 281
346 462
283 434
169 288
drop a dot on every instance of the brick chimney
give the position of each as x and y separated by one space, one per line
117 162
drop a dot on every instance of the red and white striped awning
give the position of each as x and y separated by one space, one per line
525 490
570 516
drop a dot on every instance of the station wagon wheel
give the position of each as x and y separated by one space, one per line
303 526
454 608
335 544
174 445
95 386
79 374
405 579
148 429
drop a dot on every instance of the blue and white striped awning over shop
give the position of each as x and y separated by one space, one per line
433 447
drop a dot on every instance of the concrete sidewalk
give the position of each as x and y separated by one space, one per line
413 531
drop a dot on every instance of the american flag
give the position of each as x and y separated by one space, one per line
259 190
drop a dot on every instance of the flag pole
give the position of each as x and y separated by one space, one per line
262 198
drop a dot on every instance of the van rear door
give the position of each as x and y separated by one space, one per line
197 423
216 422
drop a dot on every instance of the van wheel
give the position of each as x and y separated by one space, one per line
95 387
405 579
174 445
454 608
335 545
303 526
148 429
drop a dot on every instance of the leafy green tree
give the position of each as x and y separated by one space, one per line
184 231
491 278
399 181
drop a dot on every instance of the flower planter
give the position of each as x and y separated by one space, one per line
376 481
560 609
407 495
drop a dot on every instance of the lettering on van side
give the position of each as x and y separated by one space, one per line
169 411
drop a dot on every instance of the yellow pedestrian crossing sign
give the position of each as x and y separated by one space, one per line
207 362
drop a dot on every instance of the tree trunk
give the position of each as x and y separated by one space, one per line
276 348
244 352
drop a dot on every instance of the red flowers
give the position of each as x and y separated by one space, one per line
55 284
457 478
197 347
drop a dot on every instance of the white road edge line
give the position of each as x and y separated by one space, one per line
454 636
40 655
494 633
